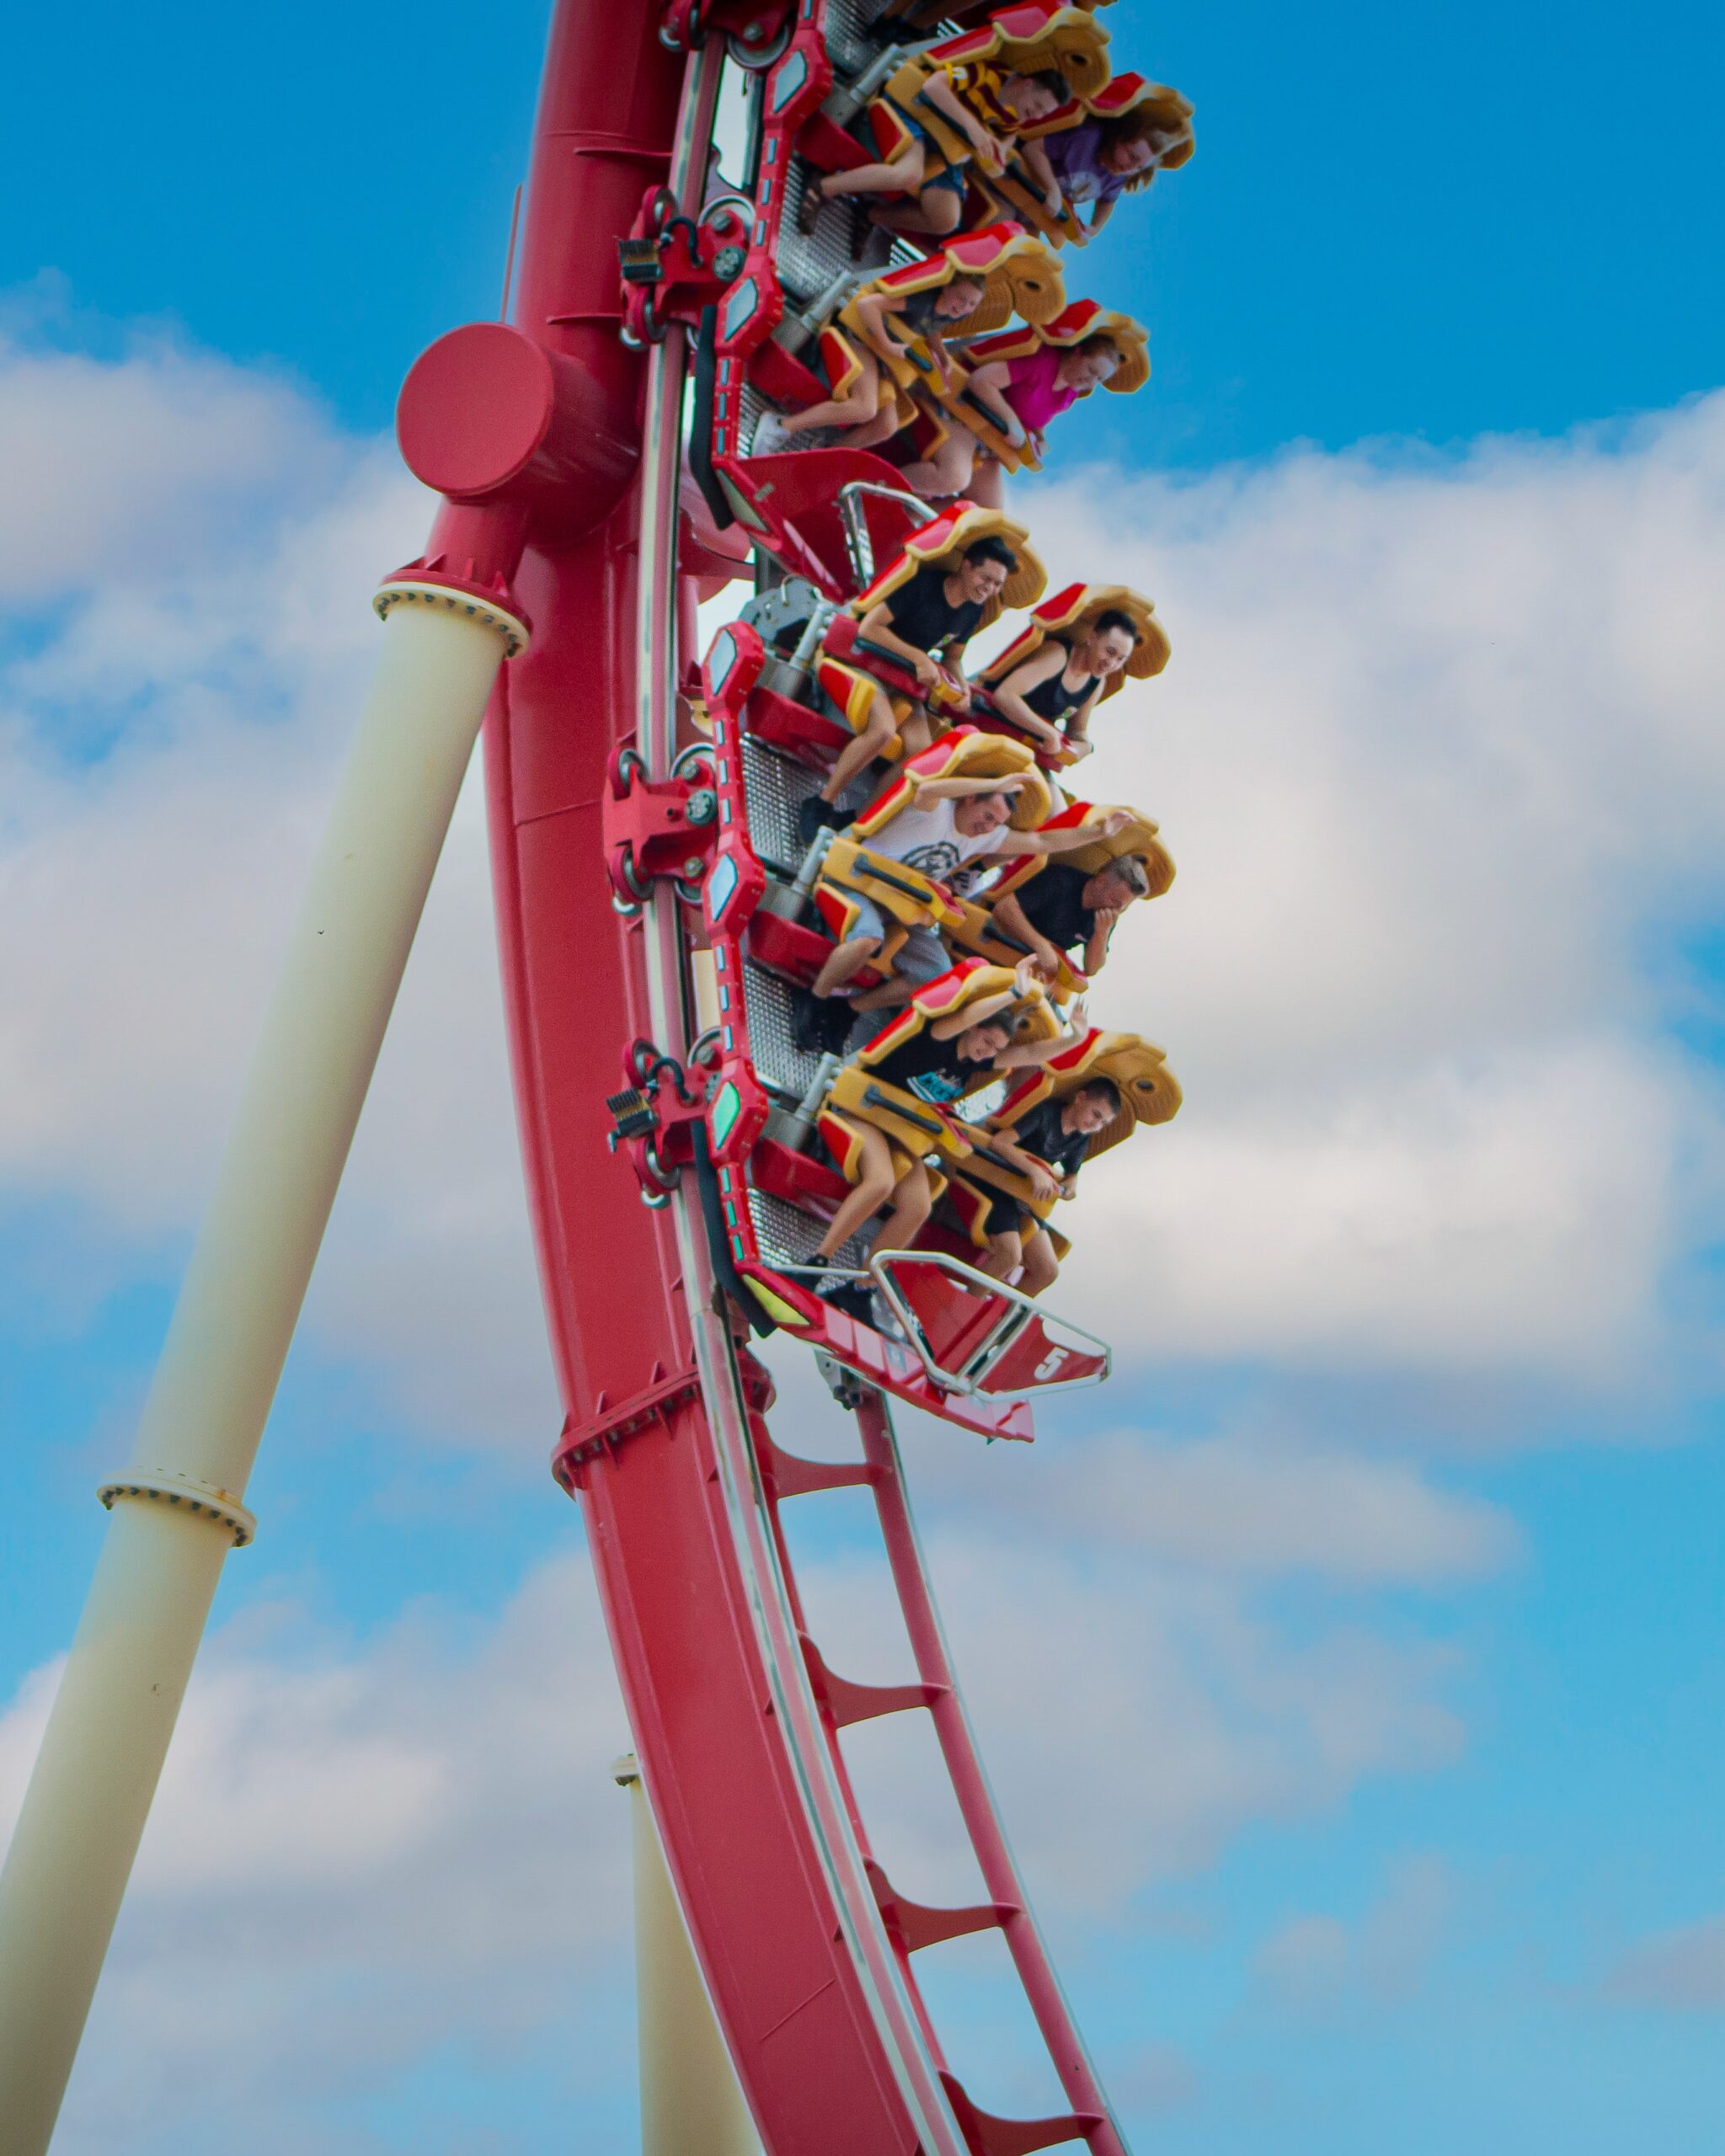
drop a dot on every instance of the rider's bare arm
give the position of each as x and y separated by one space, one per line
1011 918
1036 163
961 789
1009 694
1076 834
872 313
939 92
876 627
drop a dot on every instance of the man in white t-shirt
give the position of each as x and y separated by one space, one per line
956 831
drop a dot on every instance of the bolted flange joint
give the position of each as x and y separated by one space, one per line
456 597
186 1493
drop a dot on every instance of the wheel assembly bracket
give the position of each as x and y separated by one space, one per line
674 267
654 1119
756 30
657 829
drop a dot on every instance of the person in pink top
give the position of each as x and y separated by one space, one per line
1035 389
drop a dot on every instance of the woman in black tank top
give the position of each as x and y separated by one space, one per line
1051 697
1056 697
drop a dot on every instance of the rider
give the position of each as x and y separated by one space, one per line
1062 911
937 1062
859 406
1048 1145
1037 388
988 112
923 626
1097 161
1051 695
957 828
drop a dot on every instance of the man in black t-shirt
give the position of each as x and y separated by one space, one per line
1048 1145
923 614
923 627
1061 910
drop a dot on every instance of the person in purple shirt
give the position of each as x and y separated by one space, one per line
1096 160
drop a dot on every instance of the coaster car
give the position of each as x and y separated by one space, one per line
1069 616
850 670
1021 276
905 896
1149 1094
912 1127
976 931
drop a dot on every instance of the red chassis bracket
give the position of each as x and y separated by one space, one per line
800 732
612 1421
673 268
757 26
653 830
655 1115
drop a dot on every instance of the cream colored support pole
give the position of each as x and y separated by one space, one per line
691 2105
177 1510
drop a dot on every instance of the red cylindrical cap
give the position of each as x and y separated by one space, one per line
486 412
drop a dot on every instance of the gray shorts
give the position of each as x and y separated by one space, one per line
922 957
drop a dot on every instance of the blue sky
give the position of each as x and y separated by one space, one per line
1436 222
1380 1596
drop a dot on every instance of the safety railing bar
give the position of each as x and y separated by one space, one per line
968 1382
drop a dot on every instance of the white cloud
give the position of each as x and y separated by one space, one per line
1434 754
1682 1971
1438 756
1259 1499
1133 1718
366 1852
358 1853
1517 1213
1255 1505
1318 1964
129 468
166 756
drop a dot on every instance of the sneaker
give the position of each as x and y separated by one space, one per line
770 438
885 1319
853 1297
815 816
835 1022
820 1025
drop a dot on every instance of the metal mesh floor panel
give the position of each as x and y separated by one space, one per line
778 1061
775 788
808 263
847 38
787 1235
749 407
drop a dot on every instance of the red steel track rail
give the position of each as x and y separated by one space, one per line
806 1949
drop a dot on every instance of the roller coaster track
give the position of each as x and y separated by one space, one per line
807 1948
